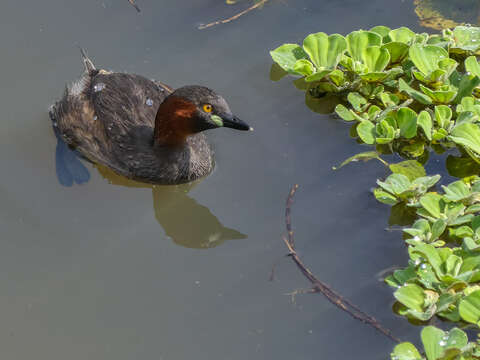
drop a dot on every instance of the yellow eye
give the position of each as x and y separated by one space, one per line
207 108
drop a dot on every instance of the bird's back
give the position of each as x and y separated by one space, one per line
101 115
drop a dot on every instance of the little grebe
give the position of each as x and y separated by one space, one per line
142 129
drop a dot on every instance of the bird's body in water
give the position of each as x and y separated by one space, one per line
141 129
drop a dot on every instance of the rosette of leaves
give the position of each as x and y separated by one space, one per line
385 121
436 282
439 277
399 88
455 209
316 60
399 188
438 345
464 40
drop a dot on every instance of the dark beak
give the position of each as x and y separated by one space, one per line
231 121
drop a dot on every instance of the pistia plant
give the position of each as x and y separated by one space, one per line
402 90
444 247
408 93
439 345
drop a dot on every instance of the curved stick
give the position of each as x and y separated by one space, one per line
319 286
234 17
132 2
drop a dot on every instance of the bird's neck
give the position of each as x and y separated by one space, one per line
173 123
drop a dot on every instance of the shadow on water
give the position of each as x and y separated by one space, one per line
183 219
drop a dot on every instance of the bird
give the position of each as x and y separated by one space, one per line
141 129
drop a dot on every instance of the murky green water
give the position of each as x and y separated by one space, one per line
105 271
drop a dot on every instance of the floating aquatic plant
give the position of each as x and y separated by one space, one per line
410 94
439 345
403 91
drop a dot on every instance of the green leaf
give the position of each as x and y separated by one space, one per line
431 339
358 41
448 65
469 308
412 169
438 96
456 191
344 113
287 55
337 77
375 58
426 181
432 255
417 95
439 134
403 35
438 228
412 296
453 264
384 197
461 232
385 133
432 78
363 156
420 228
467 135
472 65
466 86
303 67
356 100
433 203
406 351
468 104
395 184
373 111
366 131
374 76
381 30
397 51
317 76
407 122
325 51
443 114
421 38
389 100
424 121
456 339
466 38
426 57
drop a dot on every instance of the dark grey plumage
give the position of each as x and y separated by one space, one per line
110 117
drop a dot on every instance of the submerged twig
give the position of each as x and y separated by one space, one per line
132 2
234 17
319 286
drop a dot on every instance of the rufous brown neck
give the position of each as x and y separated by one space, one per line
174 122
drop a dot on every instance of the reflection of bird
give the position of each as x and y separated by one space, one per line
67 164
139 128
188 223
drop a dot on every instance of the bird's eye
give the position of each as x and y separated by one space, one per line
207 108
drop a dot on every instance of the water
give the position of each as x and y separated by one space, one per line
117 270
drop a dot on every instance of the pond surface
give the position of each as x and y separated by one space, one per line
116 270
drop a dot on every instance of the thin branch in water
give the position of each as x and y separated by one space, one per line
132 2
319 286
234 17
